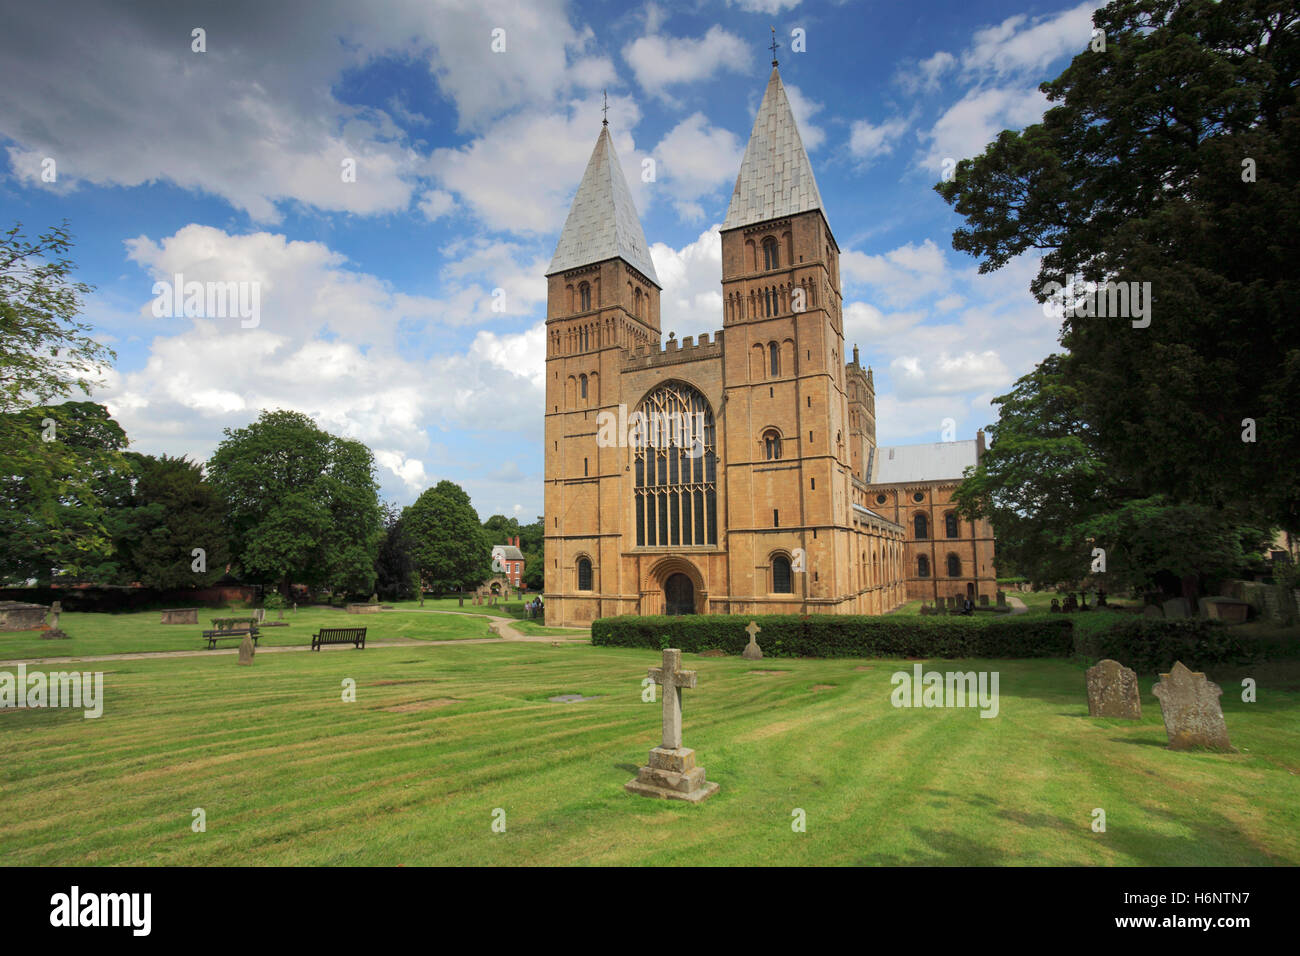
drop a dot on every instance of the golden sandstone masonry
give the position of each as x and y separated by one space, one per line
738 472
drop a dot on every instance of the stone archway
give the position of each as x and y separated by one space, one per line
655 596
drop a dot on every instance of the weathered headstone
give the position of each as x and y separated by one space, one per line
1113 691
752 651
1056 606
55 633
295 606
1176 608
260 614
1153 610
1002 598
984 600
925 609
246 650
462 600
672 773
374 599
1190 706
180 615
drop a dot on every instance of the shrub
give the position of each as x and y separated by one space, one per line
1149 645
825 635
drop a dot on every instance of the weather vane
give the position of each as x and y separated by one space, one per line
774 46
605 110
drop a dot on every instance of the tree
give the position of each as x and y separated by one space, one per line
60 466
1056 505
167 512
1171 158
302 506
44 351
396 578
499 528
450 549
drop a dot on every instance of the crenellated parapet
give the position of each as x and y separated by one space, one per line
689 349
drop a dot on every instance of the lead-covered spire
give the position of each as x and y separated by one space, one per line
776 178
602 222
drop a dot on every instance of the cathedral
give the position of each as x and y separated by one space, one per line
736 473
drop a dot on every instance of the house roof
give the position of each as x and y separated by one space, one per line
509 552
602 222
776 178
938 461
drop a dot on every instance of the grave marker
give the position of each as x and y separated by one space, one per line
752 651
1113 691
1190 706
672 773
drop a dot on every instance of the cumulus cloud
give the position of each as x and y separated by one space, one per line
659 62
696 160
867 140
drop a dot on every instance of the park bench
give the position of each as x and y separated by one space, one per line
226 633
355 636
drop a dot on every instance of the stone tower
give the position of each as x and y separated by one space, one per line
788 464
602 299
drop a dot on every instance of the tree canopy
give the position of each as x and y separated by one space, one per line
449 546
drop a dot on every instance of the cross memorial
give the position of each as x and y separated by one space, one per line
671 772
752 651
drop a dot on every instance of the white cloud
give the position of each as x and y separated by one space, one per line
924 77
902 275
691 301
695 159
867 141
1018 45
658 61
436 203
970 124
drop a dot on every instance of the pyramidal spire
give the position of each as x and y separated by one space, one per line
776 178
602 222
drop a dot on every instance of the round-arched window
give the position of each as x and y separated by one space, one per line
954 566
921 526
584 574
781 577
922 566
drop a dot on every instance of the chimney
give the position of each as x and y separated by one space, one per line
855 357
979 445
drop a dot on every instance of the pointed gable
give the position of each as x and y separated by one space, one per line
776 178
602 222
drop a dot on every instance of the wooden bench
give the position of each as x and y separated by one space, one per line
356 636
229 633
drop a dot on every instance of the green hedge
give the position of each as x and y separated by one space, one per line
827 635
1149 645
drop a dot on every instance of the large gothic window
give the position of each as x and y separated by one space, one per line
676 465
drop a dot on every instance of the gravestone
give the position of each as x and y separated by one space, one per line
952 601
672 773
1153 610
1113 691
1176 608
462 600
1070 603
984 600
1002 598
752 651
55 633
279 615
1101 599
260 614
180 615
1056 606
925 609
1272 606
246 650
1190 706
295 606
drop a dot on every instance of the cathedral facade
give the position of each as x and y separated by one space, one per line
732 473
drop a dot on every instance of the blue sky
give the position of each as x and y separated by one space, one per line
376 295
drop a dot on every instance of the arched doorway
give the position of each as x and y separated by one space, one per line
679 595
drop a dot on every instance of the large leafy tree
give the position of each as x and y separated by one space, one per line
167 511
450 548
61 469
45 352
396 578
1173 157
302 505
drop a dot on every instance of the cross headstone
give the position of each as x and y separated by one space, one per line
1190 706
246 650
752 651
671 772
1113 691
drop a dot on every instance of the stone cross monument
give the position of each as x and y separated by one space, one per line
752 651
672 773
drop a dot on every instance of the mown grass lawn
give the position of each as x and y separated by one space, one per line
441 736
129 633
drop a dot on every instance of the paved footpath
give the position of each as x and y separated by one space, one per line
1017 605
501 626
